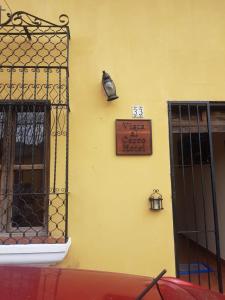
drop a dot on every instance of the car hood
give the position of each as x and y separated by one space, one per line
34 283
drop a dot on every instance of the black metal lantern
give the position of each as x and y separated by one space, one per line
109 86
156 201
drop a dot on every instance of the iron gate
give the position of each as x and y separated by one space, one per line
196 226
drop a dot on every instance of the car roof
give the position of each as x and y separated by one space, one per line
38 283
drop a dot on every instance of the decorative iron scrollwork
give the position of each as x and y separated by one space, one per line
22 18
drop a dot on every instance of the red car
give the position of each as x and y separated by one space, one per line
35 283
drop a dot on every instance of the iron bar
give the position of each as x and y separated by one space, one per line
32 33
57 67
23 78
203 196
181 166
55 145
67 142
193 187
194 231
33 145
173 187
47 85
215 213
21 102
184 180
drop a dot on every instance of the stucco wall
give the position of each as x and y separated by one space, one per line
155 51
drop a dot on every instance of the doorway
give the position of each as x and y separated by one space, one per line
197 152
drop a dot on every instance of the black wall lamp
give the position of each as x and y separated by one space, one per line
156 201
109 86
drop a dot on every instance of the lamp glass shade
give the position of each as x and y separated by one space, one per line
156 201
156 204
109 86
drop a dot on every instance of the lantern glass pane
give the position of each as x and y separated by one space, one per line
156 204
110 88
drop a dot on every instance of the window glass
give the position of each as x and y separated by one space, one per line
28 200
29 147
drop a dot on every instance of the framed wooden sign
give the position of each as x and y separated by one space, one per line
133 137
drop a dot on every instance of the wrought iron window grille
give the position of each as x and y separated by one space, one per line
34 129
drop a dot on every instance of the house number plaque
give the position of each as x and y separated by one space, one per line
133 137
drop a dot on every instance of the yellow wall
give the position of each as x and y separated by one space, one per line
155 51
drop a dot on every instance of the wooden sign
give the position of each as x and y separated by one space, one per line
133 137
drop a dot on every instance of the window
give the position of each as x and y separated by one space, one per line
24 166
34 130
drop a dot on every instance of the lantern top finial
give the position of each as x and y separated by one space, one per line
156 194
